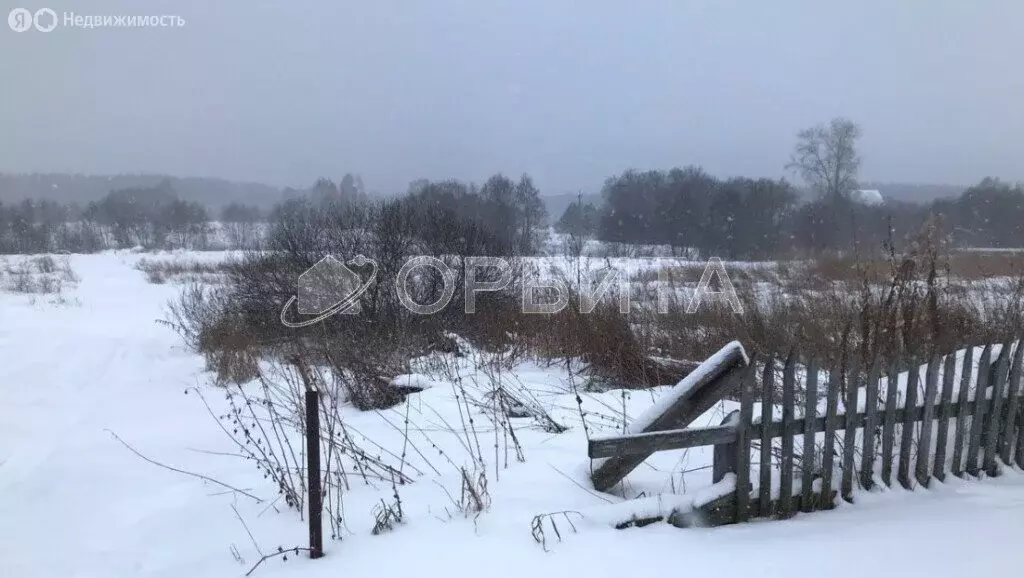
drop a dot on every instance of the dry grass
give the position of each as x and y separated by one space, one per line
38 275
955 265
742 275
927 300
178 270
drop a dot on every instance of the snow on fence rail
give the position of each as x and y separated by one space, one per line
920 428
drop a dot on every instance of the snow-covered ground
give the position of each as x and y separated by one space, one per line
75 502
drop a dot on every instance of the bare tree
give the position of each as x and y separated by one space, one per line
826 157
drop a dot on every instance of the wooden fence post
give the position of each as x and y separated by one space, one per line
807 460
764 498
992 418
892 383
977 421
850 431
922 470
786 461
907 424
962 414
1009 437
828 458
743 428
945 415
867 459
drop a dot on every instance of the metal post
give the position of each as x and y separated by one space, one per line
316 537
314 493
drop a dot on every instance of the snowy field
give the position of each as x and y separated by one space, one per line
93 360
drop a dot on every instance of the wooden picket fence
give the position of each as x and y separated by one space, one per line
855 429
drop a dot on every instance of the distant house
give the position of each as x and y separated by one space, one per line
867 196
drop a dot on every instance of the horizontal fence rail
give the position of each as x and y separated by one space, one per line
678 439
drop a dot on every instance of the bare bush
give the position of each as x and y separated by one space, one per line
40 275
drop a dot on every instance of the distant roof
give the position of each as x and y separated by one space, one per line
868 196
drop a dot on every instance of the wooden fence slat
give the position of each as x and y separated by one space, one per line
1012 407
747 390
788 408
892 383
977 420
1019 434
944 415
992 421
850 430
807 461
907 426
765 482
828 459
967 368
924 447
867 459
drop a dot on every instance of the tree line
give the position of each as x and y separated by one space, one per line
685 209
507 216
743 218
152 217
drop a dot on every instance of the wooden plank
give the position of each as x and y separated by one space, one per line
907 426
1013 394
705 387
828 459
765 477
1019 435
650 442
889 421
962 415
747 391
867 459
850 431
810 413
924 446
717 435
788 410
977 420
992 423
944 415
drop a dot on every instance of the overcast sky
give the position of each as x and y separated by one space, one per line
570 91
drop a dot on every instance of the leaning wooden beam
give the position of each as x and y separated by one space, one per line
685 402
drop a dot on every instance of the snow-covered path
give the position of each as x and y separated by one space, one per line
73 502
